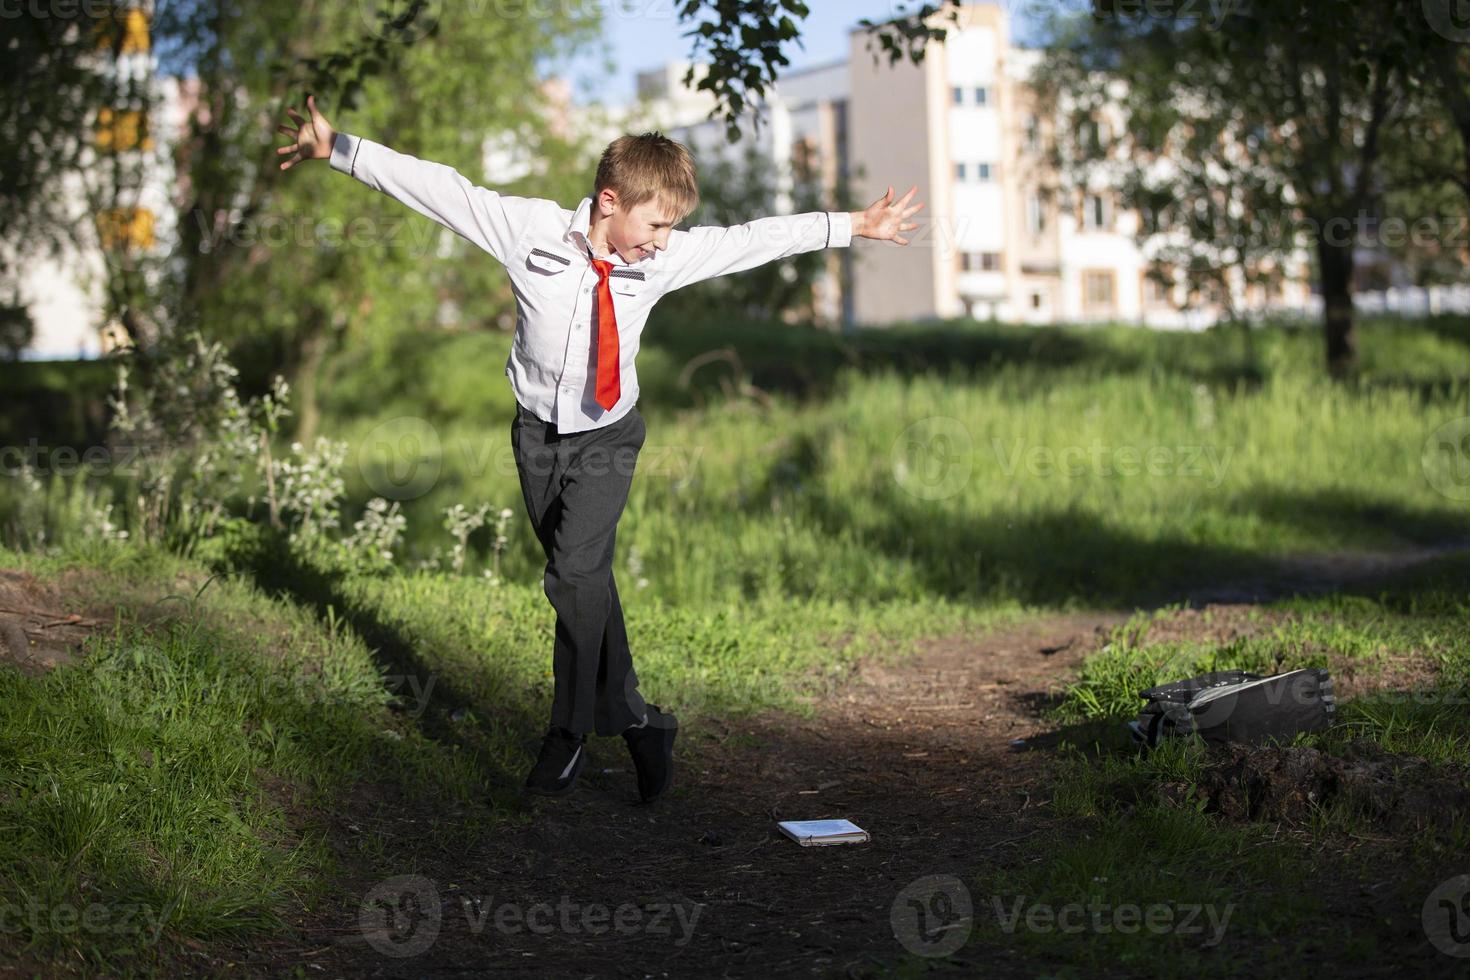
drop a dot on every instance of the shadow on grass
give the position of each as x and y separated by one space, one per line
805 361
1070 557
268 559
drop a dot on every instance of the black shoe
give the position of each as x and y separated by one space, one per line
652 748
561 760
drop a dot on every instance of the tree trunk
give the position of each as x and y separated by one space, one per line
308 415
1336 261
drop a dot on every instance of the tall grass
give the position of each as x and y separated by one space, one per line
985 466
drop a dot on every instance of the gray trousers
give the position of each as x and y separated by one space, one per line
575 487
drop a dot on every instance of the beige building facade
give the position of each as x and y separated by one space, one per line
1000 241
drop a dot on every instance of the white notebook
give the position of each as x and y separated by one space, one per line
814 832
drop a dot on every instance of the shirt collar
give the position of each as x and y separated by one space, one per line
581 225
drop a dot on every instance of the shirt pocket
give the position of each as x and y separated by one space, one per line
627 282
546 264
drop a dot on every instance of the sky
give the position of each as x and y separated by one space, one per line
644 34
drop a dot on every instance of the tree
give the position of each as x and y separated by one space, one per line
71 143
1309 105
16 329
284 269
741 44
736 188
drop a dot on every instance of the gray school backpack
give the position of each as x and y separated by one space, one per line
1236 706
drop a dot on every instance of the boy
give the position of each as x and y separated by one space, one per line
584 283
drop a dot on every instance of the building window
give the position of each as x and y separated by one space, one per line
985 172
125 129
979 261
1156 293
1097 214
805 158
1036 301
982 95
1097 291
959 95
125 31
959 172
1094 135
125 228
1035 213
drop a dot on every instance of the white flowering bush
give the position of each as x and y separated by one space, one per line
377 535
192 440
498 545
309 488
39 513
461 523
203 455
26 523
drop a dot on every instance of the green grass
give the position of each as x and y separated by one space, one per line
985 465
1129 846
891 485
1409 619
170 786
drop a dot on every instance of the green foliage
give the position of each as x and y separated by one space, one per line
736 188
169 777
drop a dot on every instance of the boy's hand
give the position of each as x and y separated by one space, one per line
884 218
310 140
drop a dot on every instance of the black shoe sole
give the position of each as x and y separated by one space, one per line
571 783
667 744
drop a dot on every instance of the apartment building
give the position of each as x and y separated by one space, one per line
998 241
64 293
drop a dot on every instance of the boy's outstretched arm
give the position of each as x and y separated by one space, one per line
490 220
704 252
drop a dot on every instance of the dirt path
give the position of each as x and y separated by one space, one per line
920 756
702 883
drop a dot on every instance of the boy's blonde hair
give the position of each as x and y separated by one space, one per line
649 167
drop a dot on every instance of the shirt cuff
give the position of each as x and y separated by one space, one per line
841 235
344 152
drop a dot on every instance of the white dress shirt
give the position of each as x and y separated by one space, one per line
544 247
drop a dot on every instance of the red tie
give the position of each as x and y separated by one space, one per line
608 388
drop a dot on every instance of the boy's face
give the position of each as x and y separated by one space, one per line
635 233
